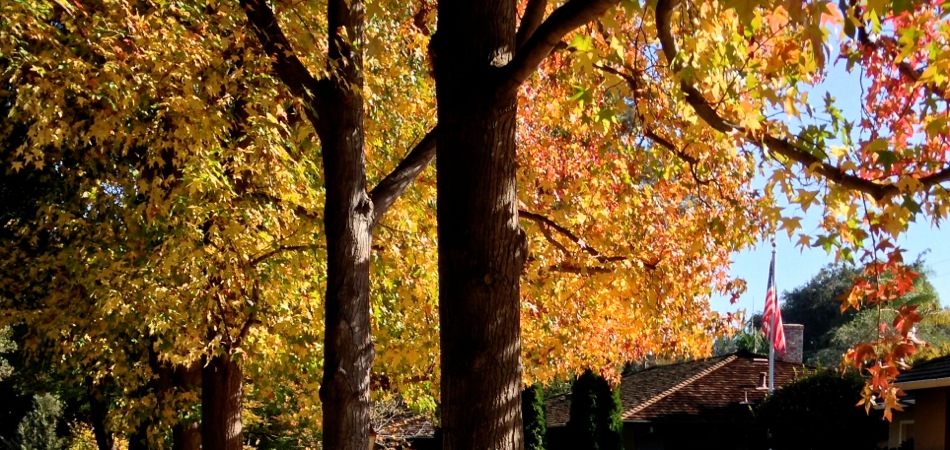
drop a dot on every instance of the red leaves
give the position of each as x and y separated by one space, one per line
882 282
899 110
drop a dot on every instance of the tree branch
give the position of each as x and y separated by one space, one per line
288 67
546 231
539 45
390 188
580 270
533 16
791 150
299 210
280 249
246 328
545 221
637 86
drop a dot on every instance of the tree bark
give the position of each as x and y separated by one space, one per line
481 246
348 218
99 412
335 108
221 404
186 434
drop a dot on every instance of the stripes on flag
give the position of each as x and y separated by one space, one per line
772 318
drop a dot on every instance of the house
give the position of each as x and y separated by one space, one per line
924 421
697 404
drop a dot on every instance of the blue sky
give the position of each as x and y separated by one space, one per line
795 266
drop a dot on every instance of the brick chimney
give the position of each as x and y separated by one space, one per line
794 340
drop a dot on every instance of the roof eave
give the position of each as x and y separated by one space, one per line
924 384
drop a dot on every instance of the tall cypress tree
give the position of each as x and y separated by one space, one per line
595 422
532 411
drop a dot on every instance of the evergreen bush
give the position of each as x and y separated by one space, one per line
595 422
532 412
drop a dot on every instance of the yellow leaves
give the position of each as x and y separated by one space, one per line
749 115
893 219
791 225
909 185
805 198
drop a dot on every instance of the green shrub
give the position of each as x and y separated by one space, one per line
39 430
595 422
818 412
532 412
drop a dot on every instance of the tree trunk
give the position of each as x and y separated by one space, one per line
99 412
138 440
348 347
221 404
481 246
186 434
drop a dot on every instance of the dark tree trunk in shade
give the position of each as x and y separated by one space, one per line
481 246
186 434
138 440
221 404
99 412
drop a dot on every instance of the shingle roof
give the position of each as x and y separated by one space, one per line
929 370
707 390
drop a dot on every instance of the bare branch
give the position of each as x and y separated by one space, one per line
791 150
390 188
546 38
533 16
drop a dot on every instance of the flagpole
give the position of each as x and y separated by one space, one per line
771 344
771 368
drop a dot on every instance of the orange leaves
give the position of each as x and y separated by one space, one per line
661 199
882 372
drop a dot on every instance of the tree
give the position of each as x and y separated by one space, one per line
831 331
798 59
532 413
39 430
697 82
334 106
595 422
749 339
137 210
214 192
816 305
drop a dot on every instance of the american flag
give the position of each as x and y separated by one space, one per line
772 318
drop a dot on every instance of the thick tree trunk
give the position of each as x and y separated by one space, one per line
348 347
481 246
186 434
221 404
